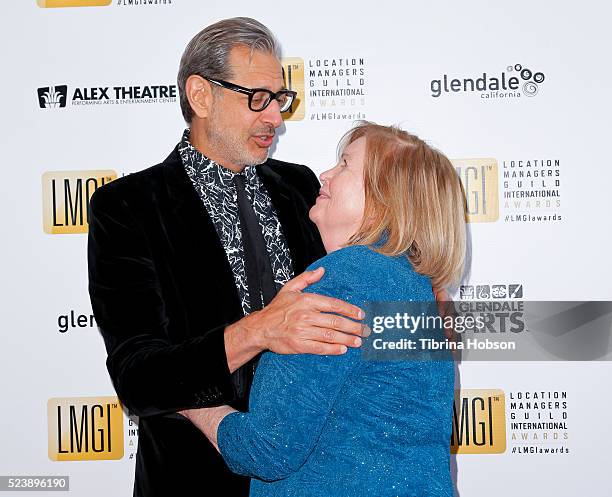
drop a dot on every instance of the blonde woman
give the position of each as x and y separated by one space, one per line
391 215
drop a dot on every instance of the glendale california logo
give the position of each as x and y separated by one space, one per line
515 81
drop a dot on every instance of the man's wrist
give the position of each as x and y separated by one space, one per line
243 341
251 329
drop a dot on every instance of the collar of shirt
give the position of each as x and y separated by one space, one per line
215 186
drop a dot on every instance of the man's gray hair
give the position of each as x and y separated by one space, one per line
208 52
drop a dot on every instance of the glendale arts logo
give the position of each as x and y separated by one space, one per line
489 291
51 97
515 81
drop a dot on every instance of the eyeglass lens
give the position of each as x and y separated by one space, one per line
261 100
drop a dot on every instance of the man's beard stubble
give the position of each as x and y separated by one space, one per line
230 145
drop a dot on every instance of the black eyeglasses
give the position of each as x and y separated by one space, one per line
259 98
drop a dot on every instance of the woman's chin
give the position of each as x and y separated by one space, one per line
313 214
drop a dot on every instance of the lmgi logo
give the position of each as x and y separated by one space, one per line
479 422
66 197
480 178
85 428
45 4
293 73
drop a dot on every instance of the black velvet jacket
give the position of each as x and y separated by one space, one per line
162 292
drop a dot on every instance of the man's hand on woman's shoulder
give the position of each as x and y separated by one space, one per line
296 323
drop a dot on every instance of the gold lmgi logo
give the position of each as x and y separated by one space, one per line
72 3
293 72
479 422
480 178
85 428
66 197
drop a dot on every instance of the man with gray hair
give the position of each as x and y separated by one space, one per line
194 264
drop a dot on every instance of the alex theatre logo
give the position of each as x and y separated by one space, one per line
85 428
51 97
479 422
72 3
480 178
293 72
66 197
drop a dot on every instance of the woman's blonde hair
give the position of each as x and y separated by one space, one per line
414 202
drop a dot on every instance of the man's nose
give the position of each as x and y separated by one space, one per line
272 114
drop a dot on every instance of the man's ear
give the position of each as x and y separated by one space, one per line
199 94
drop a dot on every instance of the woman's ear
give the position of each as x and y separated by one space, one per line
199 94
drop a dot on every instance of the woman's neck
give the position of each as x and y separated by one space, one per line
334 240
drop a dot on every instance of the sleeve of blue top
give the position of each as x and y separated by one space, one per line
291 399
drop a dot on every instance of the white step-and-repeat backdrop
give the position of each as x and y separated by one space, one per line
517 94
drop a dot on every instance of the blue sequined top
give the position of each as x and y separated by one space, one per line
342 426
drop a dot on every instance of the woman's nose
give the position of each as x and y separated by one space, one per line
325 175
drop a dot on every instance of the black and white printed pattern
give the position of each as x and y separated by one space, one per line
215 186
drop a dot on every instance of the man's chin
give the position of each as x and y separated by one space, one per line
257 159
